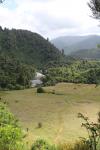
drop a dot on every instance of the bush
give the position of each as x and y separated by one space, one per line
10 87
53 92
81 146
40 90
77 146
41 144
39 125
6 117
10 137
64 147
10 132
93 130
19 87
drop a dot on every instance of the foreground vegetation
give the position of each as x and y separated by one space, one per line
10 131
53 115
12 135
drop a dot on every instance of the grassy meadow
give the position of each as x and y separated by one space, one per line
57 112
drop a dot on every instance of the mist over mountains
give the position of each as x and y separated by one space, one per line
74 44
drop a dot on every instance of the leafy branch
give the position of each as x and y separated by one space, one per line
93 130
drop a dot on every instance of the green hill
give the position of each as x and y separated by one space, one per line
21 53
87 54
29 48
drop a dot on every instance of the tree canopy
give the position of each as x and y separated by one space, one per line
14 74
30 48
1 1
95 7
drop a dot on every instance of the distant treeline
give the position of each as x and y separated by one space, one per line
79 72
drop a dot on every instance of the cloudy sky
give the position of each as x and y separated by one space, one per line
50 18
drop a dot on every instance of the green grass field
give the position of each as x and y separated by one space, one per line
57 112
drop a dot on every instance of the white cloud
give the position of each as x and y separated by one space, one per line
50 18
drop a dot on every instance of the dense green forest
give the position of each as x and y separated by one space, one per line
29 48
82 71
22 52
14 74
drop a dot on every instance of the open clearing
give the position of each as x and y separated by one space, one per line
56 112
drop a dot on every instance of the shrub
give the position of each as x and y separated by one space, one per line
10 133
10 137
77 146
81 146
93 130
53 92
19 87
39 125
10 86
40 90
6 117
41 144
64 146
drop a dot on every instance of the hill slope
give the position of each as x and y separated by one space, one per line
67 41
28 47
74 43
87 54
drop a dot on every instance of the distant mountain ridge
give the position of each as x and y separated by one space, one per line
74 43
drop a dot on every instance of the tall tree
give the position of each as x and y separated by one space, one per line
95 7
1 1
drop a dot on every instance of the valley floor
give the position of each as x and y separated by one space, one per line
57 112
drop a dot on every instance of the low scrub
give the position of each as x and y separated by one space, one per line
10 132
77 146
41 144
40 90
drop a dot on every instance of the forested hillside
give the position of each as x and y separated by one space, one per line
29 48
22 52
14 74
87 54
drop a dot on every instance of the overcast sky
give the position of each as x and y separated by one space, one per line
50 18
